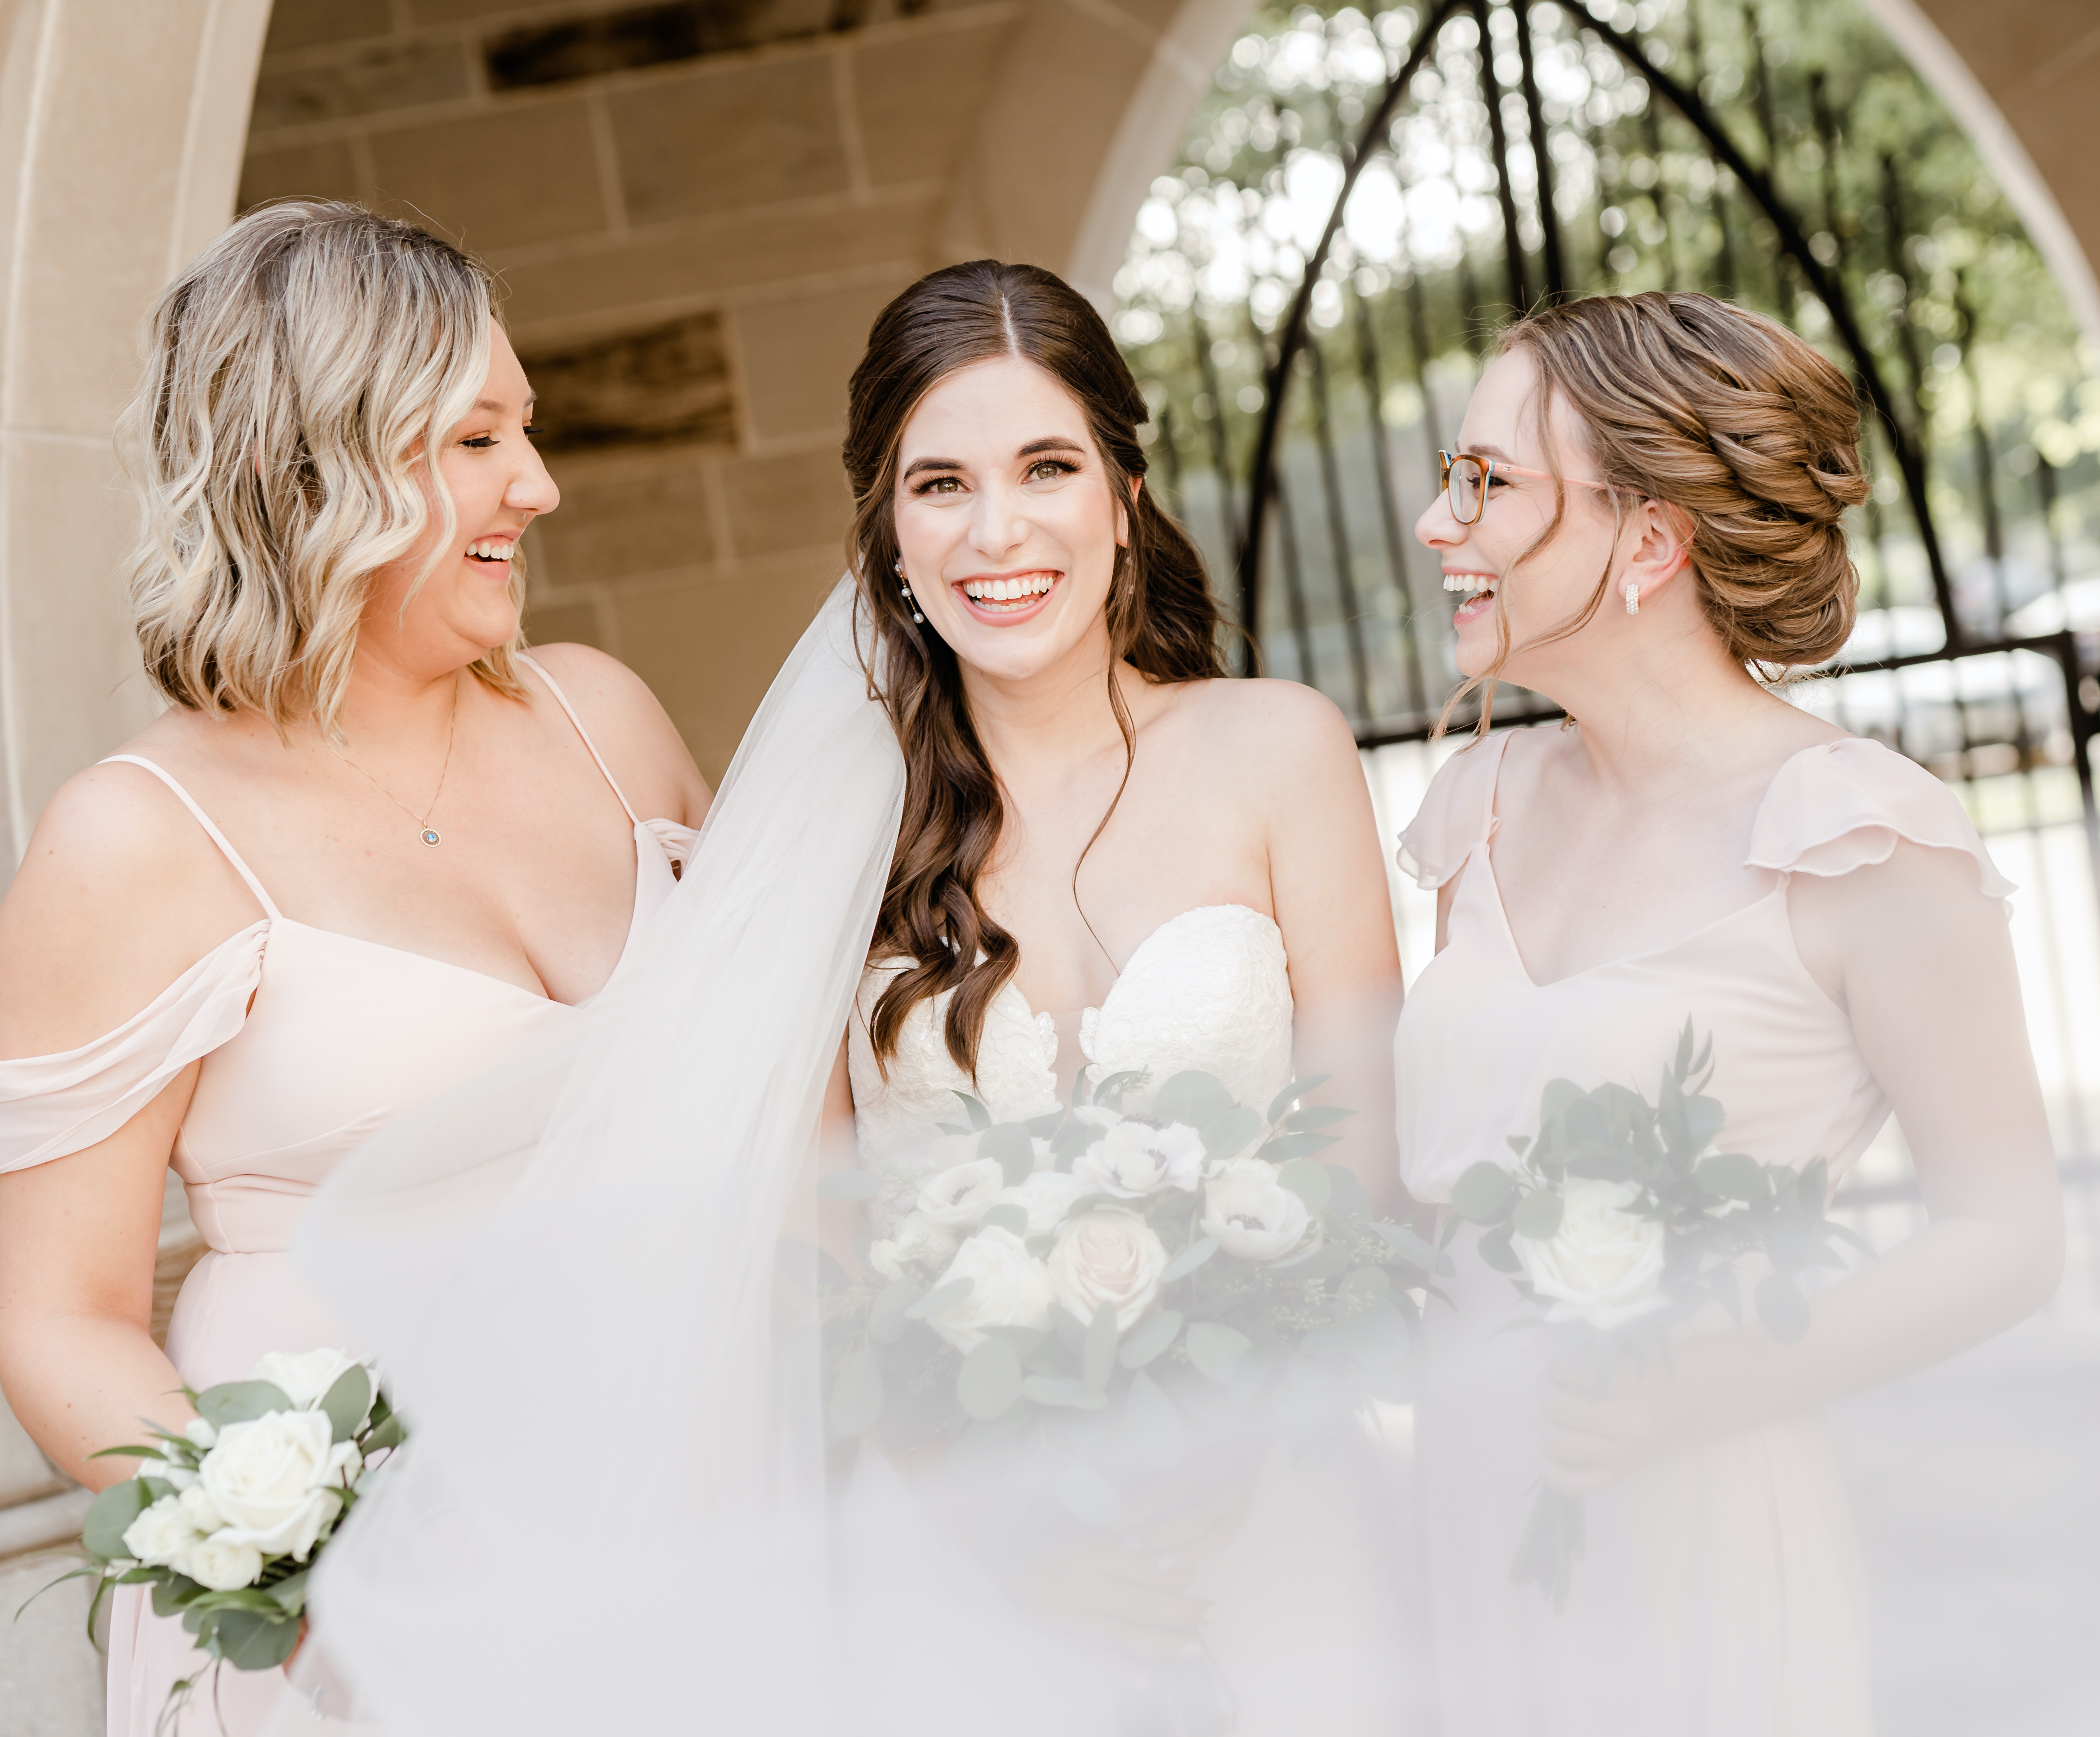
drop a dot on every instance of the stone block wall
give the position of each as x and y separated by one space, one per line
695 210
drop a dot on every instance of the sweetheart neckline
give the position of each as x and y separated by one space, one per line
1012 988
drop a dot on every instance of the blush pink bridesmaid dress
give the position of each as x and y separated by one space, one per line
1722 1593
310 1040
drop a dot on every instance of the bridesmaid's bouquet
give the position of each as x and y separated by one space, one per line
223 1521
1619 1219
1147 1266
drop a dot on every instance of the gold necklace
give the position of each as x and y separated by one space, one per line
428 833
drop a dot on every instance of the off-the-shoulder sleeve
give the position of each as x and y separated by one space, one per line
1457 812
1847 805
52 1105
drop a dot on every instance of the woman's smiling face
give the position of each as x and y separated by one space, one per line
1537 595
1009 526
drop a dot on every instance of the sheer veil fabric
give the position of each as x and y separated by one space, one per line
612 1516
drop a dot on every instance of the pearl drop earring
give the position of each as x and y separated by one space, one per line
1633 598
907 589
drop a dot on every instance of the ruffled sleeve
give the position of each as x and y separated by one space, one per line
54 1105
1457 814
1846 805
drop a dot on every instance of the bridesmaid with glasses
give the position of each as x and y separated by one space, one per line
1646 514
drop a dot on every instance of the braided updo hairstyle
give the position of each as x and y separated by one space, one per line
1744 426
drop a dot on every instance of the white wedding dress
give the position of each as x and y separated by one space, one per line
1309 1616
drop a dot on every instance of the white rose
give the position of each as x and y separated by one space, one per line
1008 1288
1252 1214
277 1480
1136 1158
201 1434
221 1566
1046 1197
161 1533
200 1511
305 1376
919 1242
1603 1265
959 1196
1108 1257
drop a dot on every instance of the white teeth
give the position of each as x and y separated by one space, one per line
485 549
1007 590
1468 582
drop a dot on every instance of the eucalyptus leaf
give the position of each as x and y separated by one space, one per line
989 1381
1043 1126
291 1592
1705 1118
249 1640
1558 1097
1097 1363
1215 1349
1315 1117
1671 1122
110 1515
1494 1249
847 1184
1288 1146
1732 1176
1192 1099
1070 1141
1013 1146
1189 1259
887 1317
1149 1338
1484 1193
941 1297
1309 1180
980 1117
240 1402
1682 1065
1109 1094
857 1394
1280 1106
173 1594
1345 1192
1537 1215
347 1401
1228 1136
388 1435
1086 1494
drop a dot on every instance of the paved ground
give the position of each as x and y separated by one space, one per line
1977 1487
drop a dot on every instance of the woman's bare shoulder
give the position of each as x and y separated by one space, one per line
632 729
1264 722
119 893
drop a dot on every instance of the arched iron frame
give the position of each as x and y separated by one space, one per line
1291 340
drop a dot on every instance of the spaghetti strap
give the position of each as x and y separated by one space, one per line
561 700
204 820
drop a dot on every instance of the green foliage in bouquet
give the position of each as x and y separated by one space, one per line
159 1529
1101 1262
1620 1218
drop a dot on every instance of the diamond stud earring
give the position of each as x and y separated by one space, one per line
1632 599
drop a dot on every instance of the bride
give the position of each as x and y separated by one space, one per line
998 822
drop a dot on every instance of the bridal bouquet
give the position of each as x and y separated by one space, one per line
1622 1223
1090 1260
223 1520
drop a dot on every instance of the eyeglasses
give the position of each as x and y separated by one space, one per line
1466 482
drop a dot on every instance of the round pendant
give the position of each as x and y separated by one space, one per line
430 836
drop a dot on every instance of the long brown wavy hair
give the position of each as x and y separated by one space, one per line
1162 620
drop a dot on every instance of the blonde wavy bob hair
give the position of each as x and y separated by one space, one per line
301 376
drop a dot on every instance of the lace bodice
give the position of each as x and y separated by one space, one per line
1208 989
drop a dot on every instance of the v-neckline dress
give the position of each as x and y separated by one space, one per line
310 1041
1721 1594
